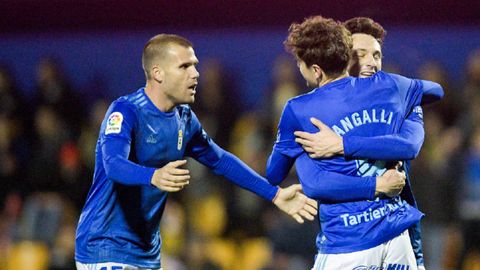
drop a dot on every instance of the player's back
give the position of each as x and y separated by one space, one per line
353 106
361 107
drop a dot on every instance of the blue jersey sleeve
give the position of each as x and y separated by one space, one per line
285 150
402 146
432 92
278 166
116 138
203 149
331 187
410 89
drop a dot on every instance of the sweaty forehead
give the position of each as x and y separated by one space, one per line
365 42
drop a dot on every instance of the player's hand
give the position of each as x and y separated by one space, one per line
291 201
171 177
390 183
323 144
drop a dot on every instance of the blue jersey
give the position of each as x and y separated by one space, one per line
364 107
121 217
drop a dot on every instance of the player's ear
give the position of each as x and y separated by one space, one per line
158 73
317 71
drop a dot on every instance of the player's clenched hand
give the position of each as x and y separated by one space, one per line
171 177
291 201
323 144
390 183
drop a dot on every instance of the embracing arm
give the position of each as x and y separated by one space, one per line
285 150
278 166
402 146
334 187
432 92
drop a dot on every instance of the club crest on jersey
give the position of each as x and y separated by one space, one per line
114 123
180 140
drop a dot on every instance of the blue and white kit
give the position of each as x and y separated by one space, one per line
120 220
351 218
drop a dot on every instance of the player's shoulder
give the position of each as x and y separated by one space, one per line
125 104
302 98
392 77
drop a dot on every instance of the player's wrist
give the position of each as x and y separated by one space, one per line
379 188
340 148
276 195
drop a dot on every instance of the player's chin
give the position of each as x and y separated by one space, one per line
190 99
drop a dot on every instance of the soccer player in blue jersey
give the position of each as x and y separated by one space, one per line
363 220
140 157
367 39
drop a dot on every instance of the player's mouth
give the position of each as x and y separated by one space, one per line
367 73
193 88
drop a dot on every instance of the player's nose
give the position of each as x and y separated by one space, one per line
370 60
195 74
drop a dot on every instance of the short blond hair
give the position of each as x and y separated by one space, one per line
156 48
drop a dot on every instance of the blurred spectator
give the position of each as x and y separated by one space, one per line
449 106
55 91
249 143
293 245
13 138
9 217
470 202
12 102
218 105
472 81
285 84
50 135
435 173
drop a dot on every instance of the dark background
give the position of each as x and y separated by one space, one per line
35 15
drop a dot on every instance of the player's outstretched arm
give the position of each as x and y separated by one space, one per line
291 201
171 177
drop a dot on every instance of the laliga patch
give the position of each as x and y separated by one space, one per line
114 123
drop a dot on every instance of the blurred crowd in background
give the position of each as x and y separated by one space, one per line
47 149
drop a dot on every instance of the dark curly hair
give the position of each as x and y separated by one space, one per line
321 41
367 26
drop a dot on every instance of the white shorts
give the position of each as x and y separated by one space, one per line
396 254
109 266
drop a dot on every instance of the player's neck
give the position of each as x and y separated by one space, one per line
326 80
158 98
